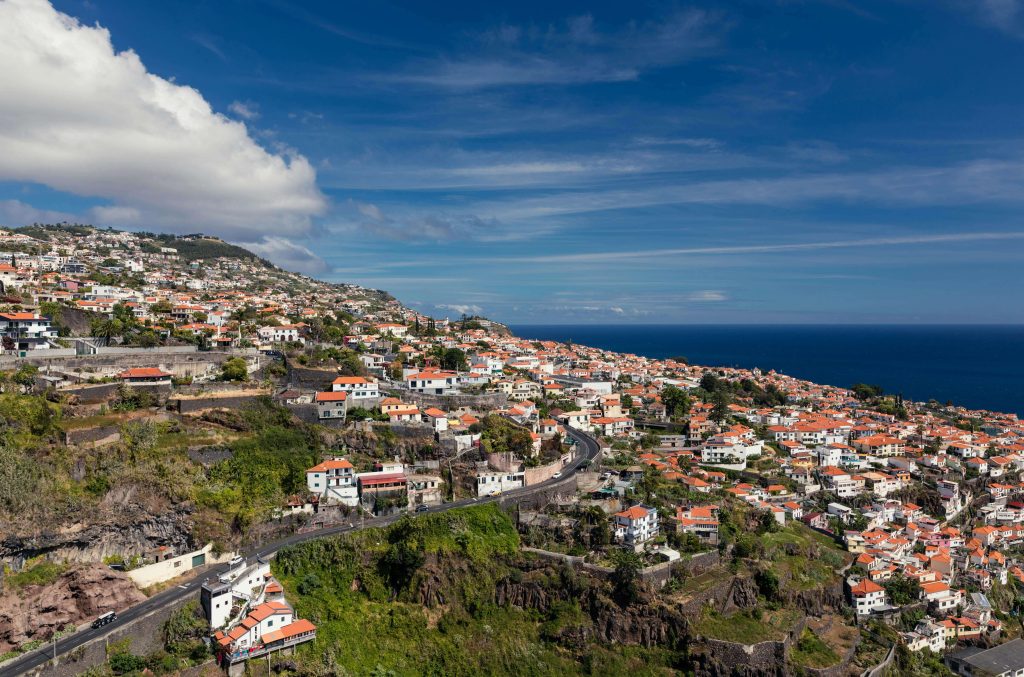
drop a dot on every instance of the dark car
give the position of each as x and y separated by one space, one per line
422 508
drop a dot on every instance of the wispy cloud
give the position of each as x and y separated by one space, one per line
245 109
602 257
209 43
573 53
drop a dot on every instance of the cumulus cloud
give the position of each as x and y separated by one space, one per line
461 308
288 255
80 117
18 213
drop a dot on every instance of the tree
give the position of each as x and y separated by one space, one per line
453 359
234 369
161 307
26 376
720 411
677 402
710 382
902 590
626 576
864 391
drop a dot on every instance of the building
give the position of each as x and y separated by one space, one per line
331 405
1005 660
145 376
433 382
494 483
867 596
333 480
25 331
636 526
358 388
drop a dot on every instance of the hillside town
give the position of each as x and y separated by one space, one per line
917 506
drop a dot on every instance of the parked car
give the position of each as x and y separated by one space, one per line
556 475
236 561
422 508
108 617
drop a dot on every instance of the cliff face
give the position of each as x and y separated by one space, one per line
127 529
644 624
78 596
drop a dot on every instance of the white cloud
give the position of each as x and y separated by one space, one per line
461 308
82 118
708 296
17 213
245 109
656 254
288 255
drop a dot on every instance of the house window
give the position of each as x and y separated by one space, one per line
177 564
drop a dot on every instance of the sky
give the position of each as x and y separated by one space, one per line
752 161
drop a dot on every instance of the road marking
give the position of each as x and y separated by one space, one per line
183 587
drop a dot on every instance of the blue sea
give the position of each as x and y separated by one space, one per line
980 367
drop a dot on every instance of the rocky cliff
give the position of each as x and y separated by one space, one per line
127 529
79 595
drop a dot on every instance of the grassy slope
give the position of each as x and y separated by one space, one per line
339 585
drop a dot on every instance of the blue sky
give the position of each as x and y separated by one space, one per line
746 162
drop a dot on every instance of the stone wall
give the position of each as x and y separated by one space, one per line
181 364
308 378
91 393
769 655
196 404
482 402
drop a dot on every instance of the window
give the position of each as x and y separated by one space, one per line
177 564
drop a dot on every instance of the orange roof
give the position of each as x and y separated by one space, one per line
331 396
330 465
865 587
634 513
143 372
349 380
20 316
299 627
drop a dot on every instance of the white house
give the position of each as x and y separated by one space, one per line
867 596
494 483
333 480
358 388
285 333
636 525
433 382
25 331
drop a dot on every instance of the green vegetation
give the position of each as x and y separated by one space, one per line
38 572
811 652
204 248
234 369
501 435
747 627
418 598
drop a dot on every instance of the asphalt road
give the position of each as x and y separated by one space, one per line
32 660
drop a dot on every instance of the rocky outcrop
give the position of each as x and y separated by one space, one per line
127 529
79 595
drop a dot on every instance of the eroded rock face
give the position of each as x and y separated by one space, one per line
80 594
124 529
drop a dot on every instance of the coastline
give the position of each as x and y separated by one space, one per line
978 367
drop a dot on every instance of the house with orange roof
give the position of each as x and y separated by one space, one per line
333 481
145 376
359 388
636 525
331 406
867 596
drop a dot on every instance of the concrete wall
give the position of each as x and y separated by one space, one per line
181 364
145 638
159 572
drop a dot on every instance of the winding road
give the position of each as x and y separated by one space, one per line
586 451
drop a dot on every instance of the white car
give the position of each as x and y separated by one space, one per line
556 475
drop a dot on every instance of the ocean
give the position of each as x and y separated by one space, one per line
981 367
